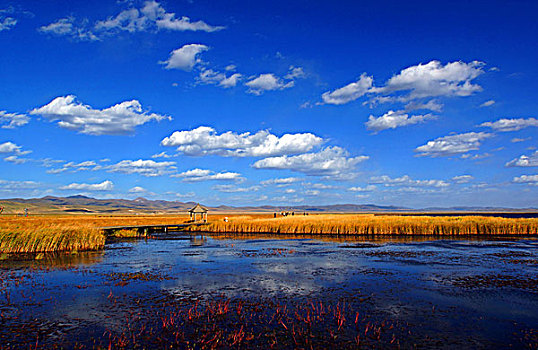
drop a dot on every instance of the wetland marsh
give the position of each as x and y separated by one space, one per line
259 291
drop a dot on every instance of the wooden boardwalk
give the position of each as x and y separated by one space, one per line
145 229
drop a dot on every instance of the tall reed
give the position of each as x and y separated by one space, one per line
369 224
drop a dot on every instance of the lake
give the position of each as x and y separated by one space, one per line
276 291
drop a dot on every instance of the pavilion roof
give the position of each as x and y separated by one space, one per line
198 209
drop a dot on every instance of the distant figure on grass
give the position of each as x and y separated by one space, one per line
1 210
26 212
225 219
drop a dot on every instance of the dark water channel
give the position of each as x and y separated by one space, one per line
285 292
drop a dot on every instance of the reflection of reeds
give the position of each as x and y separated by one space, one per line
367 224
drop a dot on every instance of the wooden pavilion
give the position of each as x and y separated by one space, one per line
198 209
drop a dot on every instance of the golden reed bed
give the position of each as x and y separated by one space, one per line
369 224
81 232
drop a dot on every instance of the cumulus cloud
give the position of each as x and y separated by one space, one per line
267 82
150 17
12 120
453 144
462 179
10 147
350 92
209 76
74 167
434 79
185 57
511 124
330 161
526 179
517 139
431 105
170 22
205 140
282 181
106 185
118 119
406 180
524 161
147 168
295 73
137 189
394 119
7 23
368 188
196 175
69 27
488 103
235 189
18 188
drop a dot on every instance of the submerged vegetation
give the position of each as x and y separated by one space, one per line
83 232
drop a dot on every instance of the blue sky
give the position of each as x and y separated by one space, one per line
414 104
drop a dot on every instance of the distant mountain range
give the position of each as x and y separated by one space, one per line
83 204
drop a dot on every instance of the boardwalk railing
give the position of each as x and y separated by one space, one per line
146 229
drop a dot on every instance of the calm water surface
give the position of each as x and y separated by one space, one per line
420 292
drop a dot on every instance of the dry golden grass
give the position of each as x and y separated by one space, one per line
82 232
369 224
36 234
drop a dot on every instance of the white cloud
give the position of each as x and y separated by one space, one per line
524 161
280 181
170 22
103 186
204 140
7 23
10 147
185 58
488 103
330 161
517 139
161 155
453 144
394 119
209 76
137 189
350 92
18 188
526 179
148 168
15 160
267 82
319 186
150 17
462 179
368 188
74 167
12 120
196 175
234 189
68 27
433 79
431 105
295 73
405 180
118 119
511 124
312 192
